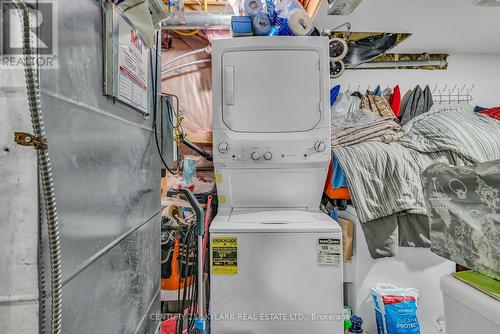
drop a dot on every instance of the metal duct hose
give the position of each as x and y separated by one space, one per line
198 20
32 83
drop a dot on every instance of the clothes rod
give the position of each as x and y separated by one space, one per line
392 64
198 20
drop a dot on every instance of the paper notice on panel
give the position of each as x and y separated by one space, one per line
132 68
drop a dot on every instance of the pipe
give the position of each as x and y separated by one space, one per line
186 33
207 156
178 67
200 276
200 222
197 20
187 54
392 64
32 84
208 216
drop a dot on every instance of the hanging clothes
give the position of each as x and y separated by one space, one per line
419 102
344 107
395 100
338 177
336 184
404 102
492 112
428 101
334 93
339 193
411 106
378 105
386 94
357 94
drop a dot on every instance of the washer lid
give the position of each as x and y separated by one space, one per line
275 221
271 90
275 216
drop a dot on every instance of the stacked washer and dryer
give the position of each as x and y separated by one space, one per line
276 260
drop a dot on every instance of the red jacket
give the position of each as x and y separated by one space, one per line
492 112
395 101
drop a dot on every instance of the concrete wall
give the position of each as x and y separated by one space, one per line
18 211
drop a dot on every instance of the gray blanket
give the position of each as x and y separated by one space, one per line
384 179
464 214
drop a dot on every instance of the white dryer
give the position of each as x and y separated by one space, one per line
276 261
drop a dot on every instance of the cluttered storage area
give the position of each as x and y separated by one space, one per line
253 167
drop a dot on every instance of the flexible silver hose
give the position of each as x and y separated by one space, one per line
45 169
42 289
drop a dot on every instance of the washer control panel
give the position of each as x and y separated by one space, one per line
319 146
223 147
255 156
280 152
267 155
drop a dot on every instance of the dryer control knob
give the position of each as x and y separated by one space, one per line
223 147
319 146
255 156
268 156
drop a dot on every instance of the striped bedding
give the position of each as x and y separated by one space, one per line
384 179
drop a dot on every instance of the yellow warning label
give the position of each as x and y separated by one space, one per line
221 199
218 178
224 255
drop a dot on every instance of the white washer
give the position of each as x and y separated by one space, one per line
276 261
283 282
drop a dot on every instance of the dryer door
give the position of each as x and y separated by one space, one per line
271 90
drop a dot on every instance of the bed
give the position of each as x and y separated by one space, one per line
384 178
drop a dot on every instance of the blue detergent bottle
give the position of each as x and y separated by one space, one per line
356 325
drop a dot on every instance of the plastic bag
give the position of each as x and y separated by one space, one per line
285 7
395 309
346 113
291 19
